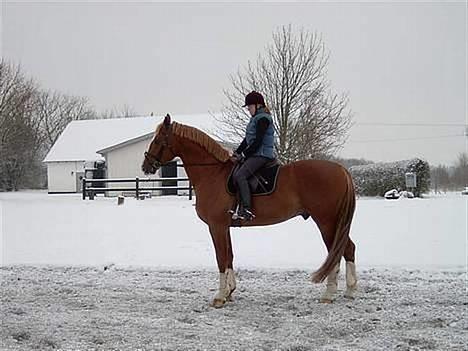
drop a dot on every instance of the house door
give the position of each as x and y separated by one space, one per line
169 170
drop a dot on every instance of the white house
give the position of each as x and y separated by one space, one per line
124 160
120 143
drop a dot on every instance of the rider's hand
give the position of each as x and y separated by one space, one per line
235 157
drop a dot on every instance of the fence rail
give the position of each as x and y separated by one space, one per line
90 191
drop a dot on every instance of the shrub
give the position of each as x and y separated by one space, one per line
377 178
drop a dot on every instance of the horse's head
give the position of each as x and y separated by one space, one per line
160 151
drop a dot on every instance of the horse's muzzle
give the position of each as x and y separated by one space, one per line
151 169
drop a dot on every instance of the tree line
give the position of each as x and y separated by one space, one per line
31 120
454 177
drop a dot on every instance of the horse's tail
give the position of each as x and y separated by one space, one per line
345 216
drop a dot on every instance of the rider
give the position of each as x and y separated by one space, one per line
256 149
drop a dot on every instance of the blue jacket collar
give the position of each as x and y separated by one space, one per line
260 110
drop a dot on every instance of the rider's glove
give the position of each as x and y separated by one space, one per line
238 157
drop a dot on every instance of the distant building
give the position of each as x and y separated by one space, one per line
110 148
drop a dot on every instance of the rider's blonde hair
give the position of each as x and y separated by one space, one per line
267 110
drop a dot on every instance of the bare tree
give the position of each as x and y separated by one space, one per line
20 137
350 162
440 178
57 110
124 111
460 175
31 120
311 121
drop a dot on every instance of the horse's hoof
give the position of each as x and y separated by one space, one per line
218 303
349 296
325 300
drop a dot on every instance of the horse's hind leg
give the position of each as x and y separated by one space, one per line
328 296
351 278
332 285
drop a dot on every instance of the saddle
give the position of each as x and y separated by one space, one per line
262 182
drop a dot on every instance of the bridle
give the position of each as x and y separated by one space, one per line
154 160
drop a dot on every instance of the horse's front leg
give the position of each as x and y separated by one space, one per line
227 281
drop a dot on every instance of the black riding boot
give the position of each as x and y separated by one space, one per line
240 177
245 211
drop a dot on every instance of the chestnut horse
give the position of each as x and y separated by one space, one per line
320 189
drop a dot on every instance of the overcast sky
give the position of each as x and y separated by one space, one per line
399 62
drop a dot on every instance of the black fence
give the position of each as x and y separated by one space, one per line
91 187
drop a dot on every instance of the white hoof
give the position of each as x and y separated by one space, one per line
227 285
324 300
351 280
332 286
350 293
218 303
328 296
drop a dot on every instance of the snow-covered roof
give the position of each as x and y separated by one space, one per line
106 150
81 140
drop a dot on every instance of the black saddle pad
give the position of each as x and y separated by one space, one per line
263 182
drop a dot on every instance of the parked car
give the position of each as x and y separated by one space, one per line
465 192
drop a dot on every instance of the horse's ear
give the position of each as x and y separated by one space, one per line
167 120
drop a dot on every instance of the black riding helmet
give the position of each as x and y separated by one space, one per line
254 98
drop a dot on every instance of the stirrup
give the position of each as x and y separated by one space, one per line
234 214
244 215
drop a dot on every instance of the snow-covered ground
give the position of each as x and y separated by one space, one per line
83 308
56 294
38 228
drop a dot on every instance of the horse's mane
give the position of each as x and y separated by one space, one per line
202 139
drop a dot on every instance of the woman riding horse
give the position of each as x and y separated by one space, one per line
317 189
255 151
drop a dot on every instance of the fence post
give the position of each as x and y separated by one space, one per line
83 187
190 190
137 188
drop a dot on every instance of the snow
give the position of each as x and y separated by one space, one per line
165 232
81 139
395 194
91 275
85 308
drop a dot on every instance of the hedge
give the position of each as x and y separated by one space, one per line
377 178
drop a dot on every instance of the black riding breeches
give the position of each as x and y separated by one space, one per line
243 173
